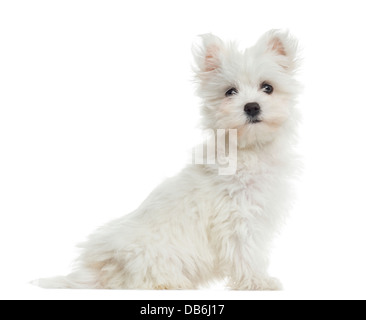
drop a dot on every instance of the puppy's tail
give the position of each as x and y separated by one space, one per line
76 280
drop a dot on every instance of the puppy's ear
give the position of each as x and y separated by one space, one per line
282 46
208 54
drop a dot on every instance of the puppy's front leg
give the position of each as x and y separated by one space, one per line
244 277
249 263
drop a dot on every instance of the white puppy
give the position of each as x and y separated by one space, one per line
203 225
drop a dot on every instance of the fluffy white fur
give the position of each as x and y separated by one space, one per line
200 226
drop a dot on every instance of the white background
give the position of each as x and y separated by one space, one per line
97 106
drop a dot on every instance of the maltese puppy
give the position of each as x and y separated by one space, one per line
215 219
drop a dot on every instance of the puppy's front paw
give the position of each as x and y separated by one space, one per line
273 284
257 284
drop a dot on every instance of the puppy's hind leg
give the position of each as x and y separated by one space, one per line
76 280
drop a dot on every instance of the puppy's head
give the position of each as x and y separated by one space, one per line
251 91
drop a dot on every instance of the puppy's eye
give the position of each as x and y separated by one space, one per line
231 92
267 88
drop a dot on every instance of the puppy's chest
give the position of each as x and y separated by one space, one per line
254 190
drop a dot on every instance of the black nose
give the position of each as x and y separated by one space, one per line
252 109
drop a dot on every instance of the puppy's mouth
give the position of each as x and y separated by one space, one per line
254 120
